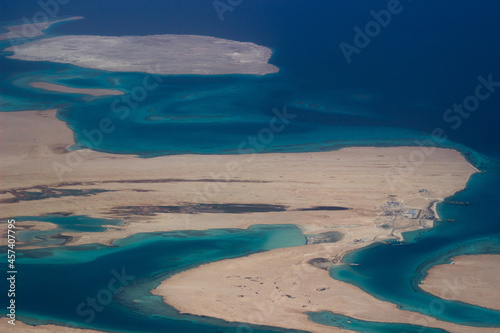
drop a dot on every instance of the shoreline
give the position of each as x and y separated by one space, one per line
201 55
433 207
295 282
45 328
19 31
478 283
66 136
180 192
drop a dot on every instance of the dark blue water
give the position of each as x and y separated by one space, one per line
396 90
410 73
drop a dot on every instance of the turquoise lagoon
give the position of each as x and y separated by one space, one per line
72 223
56 281
381 99
348 323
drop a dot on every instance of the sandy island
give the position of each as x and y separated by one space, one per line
70 90
197 192
469 279
156 54
31 30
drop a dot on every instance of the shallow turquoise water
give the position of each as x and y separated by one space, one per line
68 275
72 223
348 323
381 99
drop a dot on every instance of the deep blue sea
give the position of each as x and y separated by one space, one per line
396 90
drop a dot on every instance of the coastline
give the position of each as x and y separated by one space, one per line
25 328
275 169
159 54
277 288
195 185
434 208
474 279
20 31
199 189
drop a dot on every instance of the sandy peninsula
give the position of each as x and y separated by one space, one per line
20 327
351 191
70 90
31 30
469 279
175 192
156 54
275 288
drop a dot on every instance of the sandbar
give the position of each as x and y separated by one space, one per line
31 30
70 90
24 328
473 279
277 287
193 192
155 54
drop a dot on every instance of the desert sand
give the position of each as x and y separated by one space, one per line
155 54
140 190
70 90
469 279
275 288
186 192
20 327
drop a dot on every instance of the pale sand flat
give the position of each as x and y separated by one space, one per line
70 90
360 179
470 279
20 327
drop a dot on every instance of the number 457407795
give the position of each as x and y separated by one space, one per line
11 238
